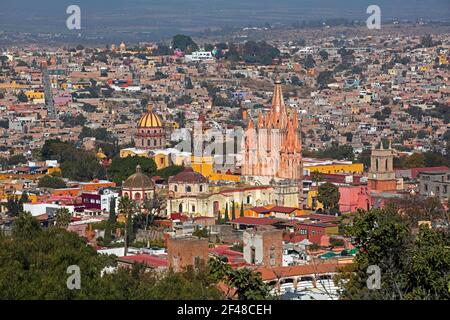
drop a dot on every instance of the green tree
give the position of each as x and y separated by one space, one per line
219 218
111 223
324 78
62 217
34 262
17 159
14 205
200 232
309 62
25 226
427 41
248 284
127 208
233 211
24 197
184 43
328 195
169 171
76 164
22 97
416 160
112 211
323 54
242 209
122 168
414 262
226 217
316 177
51 182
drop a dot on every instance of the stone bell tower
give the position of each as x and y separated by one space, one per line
381 173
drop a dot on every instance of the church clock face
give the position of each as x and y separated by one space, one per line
374 175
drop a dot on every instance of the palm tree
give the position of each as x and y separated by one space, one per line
63 217
153 208
127 207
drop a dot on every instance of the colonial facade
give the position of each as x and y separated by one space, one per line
188 183
211 204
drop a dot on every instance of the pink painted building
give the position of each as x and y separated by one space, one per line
354 197
62 100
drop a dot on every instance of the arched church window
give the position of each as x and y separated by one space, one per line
188 189
180 207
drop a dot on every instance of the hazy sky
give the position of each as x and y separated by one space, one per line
132 15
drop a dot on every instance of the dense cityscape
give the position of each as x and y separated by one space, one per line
267 163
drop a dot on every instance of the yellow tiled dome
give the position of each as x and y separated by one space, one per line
150 120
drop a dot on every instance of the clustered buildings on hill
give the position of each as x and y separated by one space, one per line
246 159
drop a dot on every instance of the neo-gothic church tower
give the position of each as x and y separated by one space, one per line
272 147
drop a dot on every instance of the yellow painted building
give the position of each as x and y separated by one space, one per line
35 95
311 200
4 197
204 165
133 152
162 160
13 86
336 168
76 85
29 176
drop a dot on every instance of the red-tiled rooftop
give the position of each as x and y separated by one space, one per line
261 210
234 258
188 175
339 178
319 217
255 221
282 209
415 171
225 250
